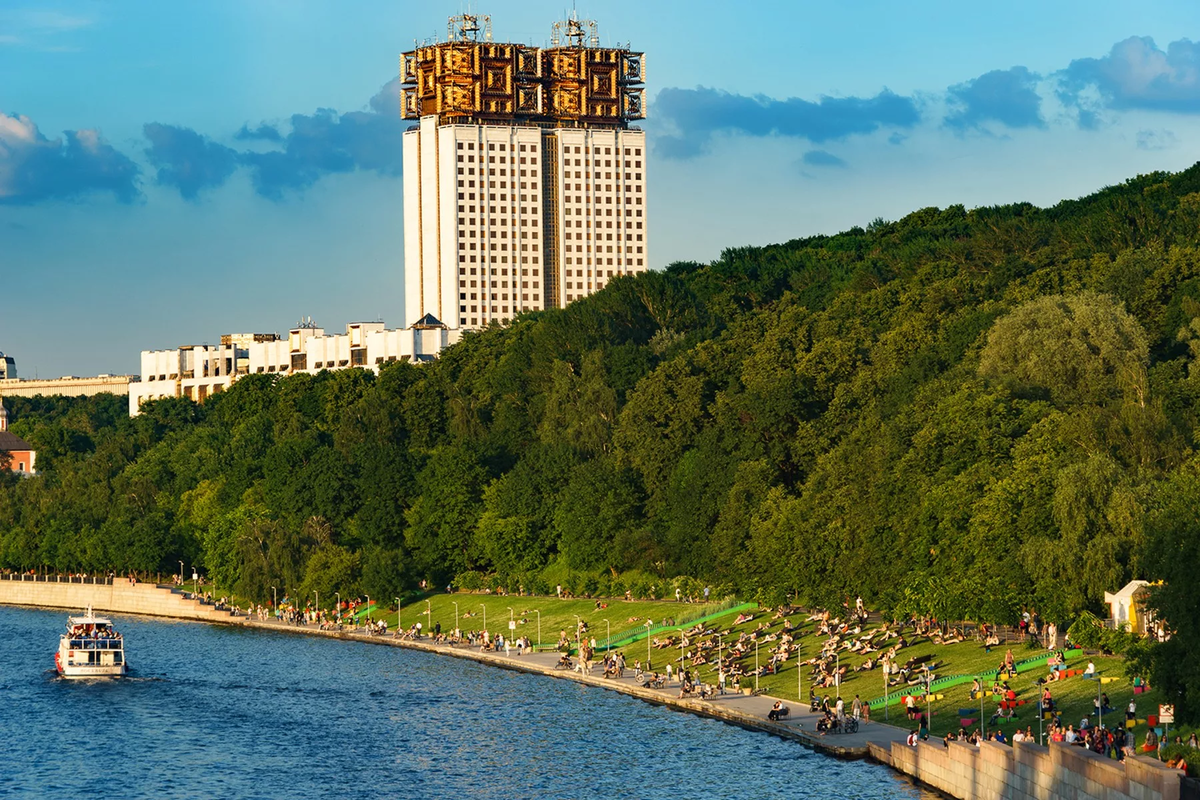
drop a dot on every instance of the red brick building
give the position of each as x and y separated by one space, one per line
22 455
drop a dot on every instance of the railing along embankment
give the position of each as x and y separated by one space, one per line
114 595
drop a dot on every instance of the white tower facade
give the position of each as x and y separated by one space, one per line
501 219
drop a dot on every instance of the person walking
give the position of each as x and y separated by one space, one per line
856 707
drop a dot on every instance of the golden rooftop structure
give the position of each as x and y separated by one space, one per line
469 79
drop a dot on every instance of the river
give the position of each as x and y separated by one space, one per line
221 712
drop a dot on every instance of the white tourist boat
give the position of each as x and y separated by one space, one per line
91 648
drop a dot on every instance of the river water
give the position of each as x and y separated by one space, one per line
219 712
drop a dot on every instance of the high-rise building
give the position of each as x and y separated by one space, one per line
524 184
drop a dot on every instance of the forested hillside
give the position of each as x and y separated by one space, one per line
961 413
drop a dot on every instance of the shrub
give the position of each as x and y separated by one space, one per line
470 581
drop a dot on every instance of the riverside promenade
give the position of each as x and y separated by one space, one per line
119 595
747 711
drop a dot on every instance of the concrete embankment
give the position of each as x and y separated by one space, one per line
1029 772
120 595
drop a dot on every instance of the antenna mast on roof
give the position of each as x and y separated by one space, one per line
577 32
468 27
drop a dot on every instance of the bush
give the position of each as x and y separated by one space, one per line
1090 633
1188 754
470 581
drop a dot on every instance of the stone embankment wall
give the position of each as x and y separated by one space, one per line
1030 772
121 596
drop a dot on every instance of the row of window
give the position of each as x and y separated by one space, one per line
629 262
503 272
503 259
496 232
637 151
504 284
495 296
587 173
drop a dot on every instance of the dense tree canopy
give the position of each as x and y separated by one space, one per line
960 412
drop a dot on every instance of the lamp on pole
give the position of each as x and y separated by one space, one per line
649 625
368 608
180 573
428 619
1041 713
399 629
837 673
195 581
682 658
578 620
756 665
339 606
275 594
929 702
539 613
317 595
484 607
885 691
981 708
799 678
455 616
607 636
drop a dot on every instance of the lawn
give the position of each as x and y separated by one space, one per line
1074 695
555 614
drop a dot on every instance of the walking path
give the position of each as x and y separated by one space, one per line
748 711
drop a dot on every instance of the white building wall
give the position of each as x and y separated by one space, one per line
601 196
413 291
200 371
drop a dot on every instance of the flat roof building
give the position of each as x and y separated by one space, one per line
199 371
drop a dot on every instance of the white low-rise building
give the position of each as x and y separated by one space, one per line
199 371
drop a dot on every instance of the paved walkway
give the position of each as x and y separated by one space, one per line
745 710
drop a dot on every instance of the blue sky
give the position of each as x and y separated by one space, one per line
173 171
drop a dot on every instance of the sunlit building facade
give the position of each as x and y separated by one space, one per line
524 184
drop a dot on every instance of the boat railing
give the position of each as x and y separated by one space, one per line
96 644
37 577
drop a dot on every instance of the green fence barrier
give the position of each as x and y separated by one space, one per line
948 681
629 636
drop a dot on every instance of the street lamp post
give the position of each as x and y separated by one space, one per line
607 636
428 619
799 678
539 613
275 595
837 673
929 702
399 627
455 616
195 581
368 608
682 658
648 627
339 606
756 665
886 704
317 595
181 573
484 607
